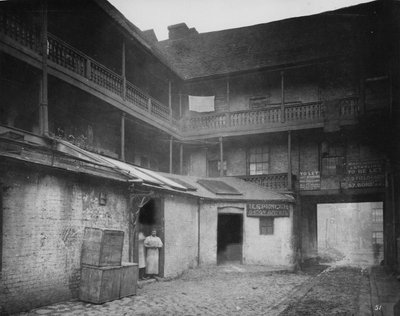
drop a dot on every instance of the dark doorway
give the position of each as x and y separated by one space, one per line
229 238
151 217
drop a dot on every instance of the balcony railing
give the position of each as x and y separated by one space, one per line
73 60
278 181
68 57
269 116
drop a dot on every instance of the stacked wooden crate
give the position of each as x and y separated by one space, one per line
104 277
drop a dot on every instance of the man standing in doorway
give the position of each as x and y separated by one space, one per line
152 244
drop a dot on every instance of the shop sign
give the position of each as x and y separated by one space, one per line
266 208
364 174
310 180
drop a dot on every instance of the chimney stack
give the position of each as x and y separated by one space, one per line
180 30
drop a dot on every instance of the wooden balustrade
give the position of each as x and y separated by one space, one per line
72 59
159 109
303 111
106 78
136 96
277 181
13 26
66 56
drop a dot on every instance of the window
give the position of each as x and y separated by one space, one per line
259 102
258 161
266 225
377 238
332 166
214 167
377 215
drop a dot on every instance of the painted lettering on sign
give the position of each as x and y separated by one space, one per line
364 174
268 209
310 180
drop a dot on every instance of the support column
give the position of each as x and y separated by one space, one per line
221 157
170 154
180 104
228 92
122 156
181 158
123 71
290 160
282 96
43 110
170 99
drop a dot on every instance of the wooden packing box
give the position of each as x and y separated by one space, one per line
102 247
129 278
104 284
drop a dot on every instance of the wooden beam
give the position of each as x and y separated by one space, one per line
221 157
122 156
282 96
289 160
170 154
44 119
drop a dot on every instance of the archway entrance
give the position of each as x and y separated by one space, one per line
350 232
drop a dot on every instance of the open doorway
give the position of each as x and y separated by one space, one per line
229 238
151 217
350 232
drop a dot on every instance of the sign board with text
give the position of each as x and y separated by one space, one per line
364 174
310 180
268 208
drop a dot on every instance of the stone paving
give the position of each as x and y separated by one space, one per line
226 290
240 290
336 291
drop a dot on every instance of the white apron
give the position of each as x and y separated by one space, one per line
152 245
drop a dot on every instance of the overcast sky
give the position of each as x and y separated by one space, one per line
213 15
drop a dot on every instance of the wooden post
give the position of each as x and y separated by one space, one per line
123 71
170 99
282 96
123 136
221 157
170 154
180 105
181 158
43 118
228 92
289 160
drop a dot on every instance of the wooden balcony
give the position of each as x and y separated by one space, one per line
23 41
277 182
297 116
68 63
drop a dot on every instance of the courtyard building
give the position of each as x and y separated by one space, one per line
274 144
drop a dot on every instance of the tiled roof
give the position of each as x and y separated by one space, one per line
279 43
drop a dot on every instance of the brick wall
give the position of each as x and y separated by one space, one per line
44 214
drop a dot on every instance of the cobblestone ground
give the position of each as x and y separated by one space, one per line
227 290
336 291
239 290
